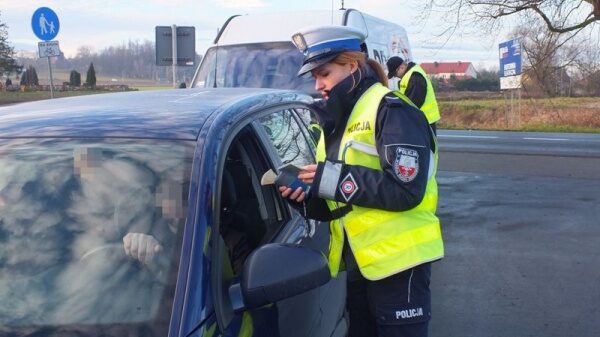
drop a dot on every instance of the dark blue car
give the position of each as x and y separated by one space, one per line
143 214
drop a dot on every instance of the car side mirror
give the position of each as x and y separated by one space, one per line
278 271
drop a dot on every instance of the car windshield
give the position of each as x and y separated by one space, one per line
258 65
66 208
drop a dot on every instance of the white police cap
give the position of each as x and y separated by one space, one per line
321 44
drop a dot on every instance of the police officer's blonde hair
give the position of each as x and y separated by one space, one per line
356 56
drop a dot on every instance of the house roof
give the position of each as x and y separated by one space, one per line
446 67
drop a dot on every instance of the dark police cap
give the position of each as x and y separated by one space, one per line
392 64
321 44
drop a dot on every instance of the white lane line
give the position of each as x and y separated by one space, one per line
461 136
533 138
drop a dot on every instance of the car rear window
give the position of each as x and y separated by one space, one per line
66 206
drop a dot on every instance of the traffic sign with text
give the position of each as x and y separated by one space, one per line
48 48
186 46
510 58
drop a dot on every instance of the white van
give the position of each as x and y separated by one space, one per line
256 50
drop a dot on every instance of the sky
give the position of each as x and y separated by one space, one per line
99 24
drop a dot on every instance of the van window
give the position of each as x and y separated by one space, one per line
258 65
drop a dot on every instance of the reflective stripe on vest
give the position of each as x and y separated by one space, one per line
430 106
383 242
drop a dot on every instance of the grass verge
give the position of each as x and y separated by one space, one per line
563 114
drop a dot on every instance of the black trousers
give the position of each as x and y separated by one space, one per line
399 305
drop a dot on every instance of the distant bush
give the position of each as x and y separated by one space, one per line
476 84
75 79
29 77
486 80
90 79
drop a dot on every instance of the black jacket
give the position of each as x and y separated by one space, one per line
401 133
416 88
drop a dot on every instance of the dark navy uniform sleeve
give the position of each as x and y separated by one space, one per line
416 89
403 142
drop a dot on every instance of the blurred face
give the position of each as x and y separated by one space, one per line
169 200
87 162
330 74
401 70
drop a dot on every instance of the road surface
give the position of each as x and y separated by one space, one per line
520 216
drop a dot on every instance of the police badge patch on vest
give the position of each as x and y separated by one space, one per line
405 164
348 187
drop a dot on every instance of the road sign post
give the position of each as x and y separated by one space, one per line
51 80
45 25
510 77
174 49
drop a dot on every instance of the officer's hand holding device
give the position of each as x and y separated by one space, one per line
287 178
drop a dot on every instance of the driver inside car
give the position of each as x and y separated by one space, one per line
145 247
123 207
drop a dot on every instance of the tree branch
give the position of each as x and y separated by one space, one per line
505 8
590 18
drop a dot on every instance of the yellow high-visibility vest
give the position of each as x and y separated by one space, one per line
430 106
383 242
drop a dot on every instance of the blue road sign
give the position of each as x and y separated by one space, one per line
44 23
510 58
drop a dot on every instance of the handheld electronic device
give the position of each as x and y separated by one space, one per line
288 176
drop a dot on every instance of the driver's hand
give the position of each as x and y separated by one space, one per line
307 173
142 247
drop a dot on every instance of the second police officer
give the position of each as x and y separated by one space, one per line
415 84
375 182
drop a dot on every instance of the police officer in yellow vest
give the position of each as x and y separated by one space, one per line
415 84
375 182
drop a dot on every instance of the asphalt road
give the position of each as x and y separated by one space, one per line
520 216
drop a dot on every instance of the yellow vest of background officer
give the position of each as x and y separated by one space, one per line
430 106
383 242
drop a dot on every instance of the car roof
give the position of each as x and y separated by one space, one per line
160 114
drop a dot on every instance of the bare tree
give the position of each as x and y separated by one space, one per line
559 16
588 66
549 56
8 63
126 60
84 52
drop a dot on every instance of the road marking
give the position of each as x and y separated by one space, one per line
533 138
461 136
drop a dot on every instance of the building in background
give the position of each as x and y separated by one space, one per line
443 71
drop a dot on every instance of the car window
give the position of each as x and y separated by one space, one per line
243 218
288 130
311 126
66 207
289 136
251 213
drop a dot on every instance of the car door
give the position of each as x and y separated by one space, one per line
252 215
289 134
